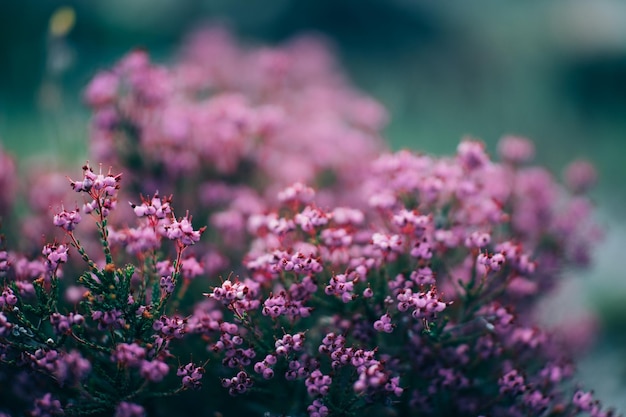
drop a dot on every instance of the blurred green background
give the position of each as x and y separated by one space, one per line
554 71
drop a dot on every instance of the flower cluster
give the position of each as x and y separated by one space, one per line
398 283
424 302
409 304
114 336
223 106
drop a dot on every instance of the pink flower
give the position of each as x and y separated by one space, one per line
67 220
102 89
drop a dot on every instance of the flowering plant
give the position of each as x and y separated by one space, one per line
406 285
111 348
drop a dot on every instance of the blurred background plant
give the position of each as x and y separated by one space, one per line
552 71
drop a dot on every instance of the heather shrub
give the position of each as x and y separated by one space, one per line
229 126
321 275
103 348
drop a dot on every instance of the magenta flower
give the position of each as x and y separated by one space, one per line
182 231
67 220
